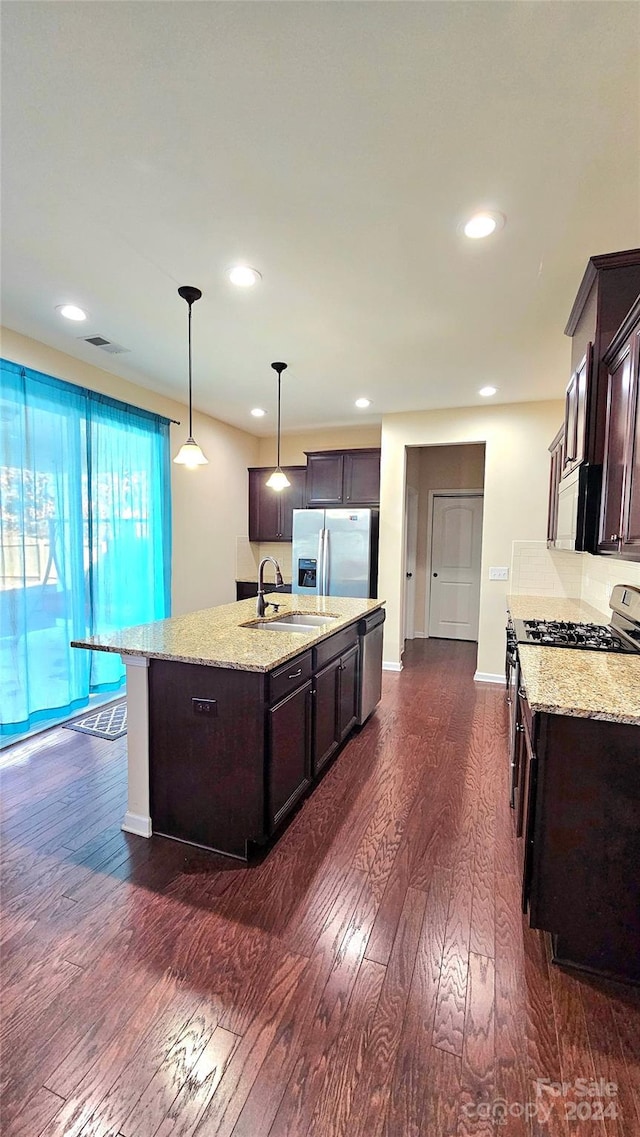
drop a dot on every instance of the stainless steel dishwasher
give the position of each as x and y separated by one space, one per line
371 631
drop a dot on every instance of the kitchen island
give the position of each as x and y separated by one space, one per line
576 755
231 720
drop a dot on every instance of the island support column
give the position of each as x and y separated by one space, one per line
137 819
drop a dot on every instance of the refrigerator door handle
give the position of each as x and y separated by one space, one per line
325 564
320 566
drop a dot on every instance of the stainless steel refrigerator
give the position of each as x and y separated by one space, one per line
335 552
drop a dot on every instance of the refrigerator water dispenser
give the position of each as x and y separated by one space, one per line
307 572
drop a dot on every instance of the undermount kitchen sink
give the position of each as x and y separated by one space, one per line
294 622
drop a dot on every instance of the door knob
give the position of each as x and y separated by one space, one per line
409 575
435 574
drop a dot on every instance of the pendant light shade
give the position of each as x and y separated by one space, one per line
278 480
190 454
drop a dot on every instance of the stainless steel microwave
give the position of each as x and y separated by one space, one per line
578 509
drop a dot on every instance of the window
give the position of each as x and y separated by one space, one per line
85 539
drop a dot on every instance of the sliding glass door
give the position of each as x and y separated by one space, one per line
85 539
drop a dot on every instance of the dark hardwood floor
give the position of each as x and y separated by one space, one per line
371 976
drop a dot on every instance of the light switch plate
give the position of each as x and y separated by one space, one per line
500 573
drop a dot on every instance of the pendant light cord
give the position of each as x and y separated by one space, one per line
279 382
190 400
279 368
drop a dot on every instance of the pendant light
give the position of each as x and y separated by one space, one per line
190 454
278 480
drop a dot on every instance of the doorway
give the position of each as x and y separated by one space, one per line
410 562
454 577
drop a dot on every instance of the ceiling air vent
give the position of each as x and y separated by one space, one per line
105 345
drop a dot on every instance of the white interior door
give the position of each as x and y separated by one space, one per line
411 551
456 548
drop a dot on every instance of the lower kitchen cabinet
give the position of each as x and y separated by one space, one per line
348 693
326 738
289 765
232 752
579 807
335 705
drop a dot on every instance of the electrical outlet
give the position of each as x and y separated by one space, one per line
500 573
208 707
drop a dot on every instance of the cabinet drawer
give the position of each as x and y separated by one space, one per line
291 675
335 645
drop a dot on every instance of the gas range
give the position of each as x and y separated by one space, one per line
621 635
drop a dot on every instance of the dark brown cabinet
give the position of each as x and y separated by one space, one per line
326 738
527 781
348 694
610 285
580 798
343 478
631 505
271 511
227 774
575 419
361 477
289 768
335 701
556 451
324 479
620 504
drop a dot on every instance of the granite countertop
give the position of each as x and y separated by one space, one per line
215 636
554 608
568 681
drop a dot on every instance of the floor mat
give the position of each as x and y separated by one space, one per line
110 722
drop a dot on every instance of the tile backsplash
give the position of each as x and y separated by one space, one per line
599 574
538 571
250 553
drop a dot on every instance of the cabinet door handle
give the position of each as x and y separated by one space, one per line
614 537
296 674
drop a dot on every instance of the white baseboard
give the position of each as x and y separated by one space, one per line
391 666
487 677
137 823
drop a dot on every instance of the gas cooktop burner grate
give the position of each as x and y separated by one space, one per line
564 633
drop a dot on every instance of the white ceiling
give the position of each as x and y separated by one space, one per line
336 147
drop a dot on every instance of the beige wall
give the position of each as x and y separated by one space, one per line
516 437
437 468
209 504
293 446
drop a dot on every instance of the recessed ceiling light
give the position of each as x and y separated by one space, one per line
258 412
243 276
487 392
71 312
363 403
483 224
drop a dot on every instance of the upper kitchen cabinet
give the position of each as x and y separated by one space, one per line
343 477
556 451
620 508
271 511
609 287
575 418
